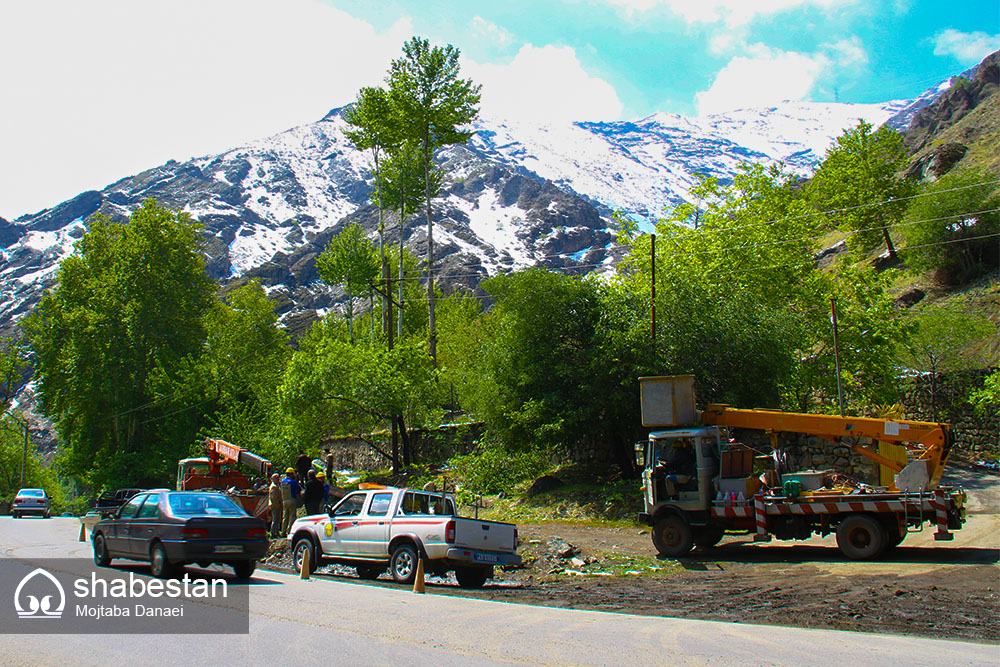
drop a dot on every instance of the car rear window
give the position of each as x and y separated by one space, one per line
203 504
31 493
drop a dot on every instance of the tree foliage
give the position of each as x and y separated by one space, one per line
128 304
953 227
434 103
857 185
350 261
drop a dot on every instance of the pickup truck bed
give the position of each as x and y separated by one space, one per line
378 529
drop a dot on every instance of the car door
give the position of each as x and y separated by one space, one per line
373 528
341 538
119 531
144 526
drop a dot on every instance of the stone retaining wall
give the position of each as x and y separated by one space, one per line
945 398
428 445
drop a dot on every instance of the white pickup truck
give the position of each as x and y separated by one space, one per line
389 528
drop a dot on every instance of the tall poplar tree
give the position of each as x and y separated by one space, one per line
432 103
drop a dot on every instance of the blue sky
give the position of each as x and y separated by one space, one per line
94 91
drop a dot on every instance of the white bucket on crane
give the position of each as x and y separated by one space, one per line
667 400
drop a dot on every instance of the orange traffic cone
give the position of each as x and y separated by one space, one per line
418 580
304 569
83 531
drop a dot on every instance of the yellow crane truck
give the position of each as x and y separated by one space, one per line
727 488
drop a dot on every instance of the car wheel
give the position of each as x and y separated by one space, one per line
471 577
404 563
672 536
303 549
861 537
244 568
158 563
369 572
15 515
101 556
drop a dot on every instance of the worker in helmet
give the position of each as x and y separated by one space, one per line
321 476
290 492
676 465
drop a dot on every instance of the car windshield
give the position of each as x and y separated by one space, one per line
34 493
203 504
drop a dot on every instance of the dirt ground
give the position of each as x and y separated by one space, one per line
923 588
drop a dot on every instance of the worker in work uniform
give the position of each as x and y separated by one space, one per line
313 494
289 500
275 502
677 465
321 476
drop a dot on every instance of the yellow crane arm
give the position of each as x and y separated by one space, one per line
932 440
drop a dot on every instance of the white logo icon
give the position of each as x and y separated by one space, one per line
36 608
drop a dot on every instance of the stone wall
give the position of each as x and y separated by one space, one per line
428 445
944 397
805 452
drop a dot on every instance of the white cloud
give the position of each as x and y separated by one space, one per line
763 77
732 12
967 47
106 88
544 83
483 28
848 52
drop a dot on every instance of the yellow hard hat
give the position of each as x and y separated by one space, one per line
290 471
321 475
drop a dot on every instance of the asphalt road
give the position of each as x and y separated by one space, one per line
334 622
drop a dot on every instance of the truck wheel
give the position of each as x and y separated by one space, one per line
101 557
244 568
403 564
861 537
303 549
471 577
158 563
707 537
368 572
672 536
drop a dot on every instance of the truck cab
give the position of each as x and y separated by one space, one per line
660 459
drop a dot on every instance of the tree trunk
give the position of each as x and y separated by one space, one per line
405 437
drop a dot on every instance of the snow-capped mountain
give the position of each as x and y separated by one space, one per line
515 195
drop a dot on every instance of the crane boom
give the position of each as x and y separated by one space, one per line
930 441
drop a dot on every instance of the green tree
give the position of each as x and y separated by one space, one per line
13 367
403 187
433 102
349 260
857 185
374 127
130 301
229 388
954 225
987 399
332 386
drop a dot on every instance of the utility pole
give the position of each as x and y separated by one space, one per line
836 355
652 291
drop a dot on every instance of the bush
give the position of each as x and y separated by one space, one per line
494 470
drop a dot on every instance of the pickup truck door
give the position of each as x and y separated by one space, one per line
342 538
373 529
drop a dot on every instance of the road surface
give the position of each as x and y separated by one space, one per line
336 622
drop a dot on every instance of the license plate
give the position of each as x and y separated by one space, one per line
485 558
228 548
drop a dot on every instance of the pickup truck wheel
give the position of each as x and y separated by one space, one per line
861 537
303 548
370 573
158 563
404 563
471 577
244 568
101 557
672 536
